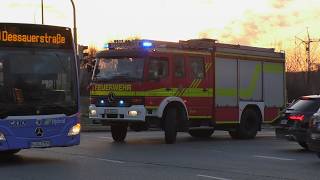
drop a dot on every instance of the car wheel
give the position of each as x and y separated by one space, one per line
201 133
119 132
304 145
170 125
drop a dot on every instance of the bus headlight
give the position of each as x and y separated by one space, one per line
75 130
2 137
93 112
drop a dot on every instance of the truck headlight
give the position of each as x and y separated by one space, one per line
75 130
2 137
133 113
93 112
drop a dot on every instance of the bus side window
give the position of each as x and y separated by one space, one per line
158 69
178 69
197 67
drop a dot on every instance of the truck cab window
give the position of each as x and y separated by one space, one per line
197 67
179 67
158 69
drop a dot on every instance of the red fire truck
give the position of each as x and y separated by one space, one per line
194 86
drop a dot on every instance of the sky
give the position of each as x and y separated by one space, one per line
263 23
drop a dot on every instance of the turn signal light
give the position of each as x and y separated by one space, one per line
296 117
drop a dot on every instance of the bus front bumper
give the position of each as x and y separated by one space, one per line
12 142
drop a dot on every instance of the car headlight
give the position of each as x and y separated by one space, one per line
2 137
75 130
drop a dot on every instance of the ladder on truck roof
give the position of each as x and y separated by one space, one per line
199 44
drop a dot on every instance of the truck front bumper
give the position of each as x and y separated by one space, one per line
135 113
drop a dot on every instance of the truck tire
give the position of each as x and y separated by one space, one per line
170 125
248 127
201 133
304 145
119 132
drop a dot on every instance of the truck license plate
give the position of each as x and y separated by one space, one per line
40 144
284 121
111 111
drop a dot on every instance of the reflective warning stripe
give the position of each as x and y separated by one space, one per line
273 68
162 92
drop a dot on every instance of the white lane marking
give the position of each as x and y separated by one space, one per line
110 160
102 159
272 157
105 137
212 177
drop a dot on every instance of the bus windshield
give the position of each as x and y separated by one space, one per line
37 81
119 69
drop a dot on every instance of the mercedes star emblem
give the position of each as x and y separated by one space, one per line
111 97
39 131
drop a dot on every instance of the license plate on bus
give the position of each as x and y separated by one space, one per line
284 121
40 144
111 111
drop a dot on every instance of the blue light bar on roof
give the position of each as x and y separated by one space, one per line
147 44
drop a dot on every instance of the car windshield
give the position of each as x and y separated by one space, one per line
37 80
119 69
305 105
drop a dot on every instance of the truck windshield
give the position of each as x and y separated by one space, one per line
119 69
37 81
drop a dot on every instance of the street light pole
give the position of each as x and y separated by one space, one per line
42 12
74 26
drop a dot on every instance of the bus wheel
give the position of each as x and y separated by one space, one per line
248 127
170 125
119 132
9 153
201 133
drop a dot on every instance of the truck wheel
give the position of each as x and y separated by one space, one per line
304 145
201 133
248 127
119 132
170 125
318 154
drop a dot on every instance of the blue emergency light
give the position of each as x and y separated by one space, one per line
147 44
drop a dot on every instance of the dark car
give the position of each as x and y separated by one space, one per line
314 133
293 122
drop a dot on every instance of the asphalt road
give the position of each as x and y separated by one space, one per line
145 156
